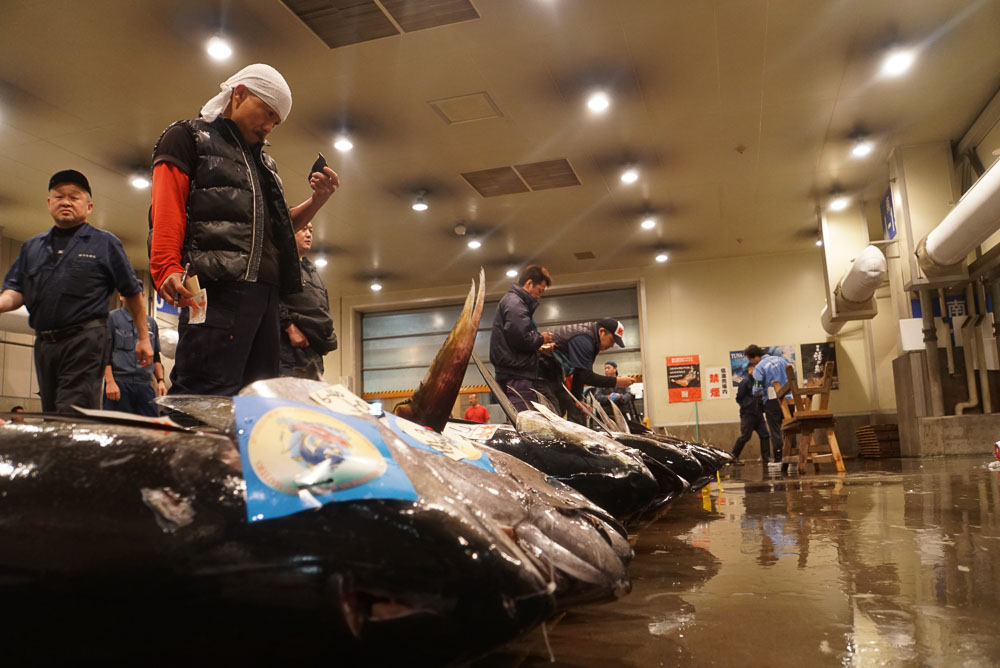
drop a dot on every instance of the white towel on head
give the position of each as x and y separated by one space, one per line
263 81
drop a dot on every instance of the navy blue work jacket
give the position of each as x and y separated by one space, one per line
122 339
64 290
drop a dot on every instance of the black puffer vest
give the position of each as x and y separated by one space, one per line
225 231
562 334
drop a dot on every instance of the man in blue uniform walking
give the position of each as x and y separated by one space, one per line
769 368
127 385
65 277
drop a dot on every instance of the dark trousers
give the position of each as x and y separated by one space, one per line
773 417
135 398
70 371
750 423
236 345
520 391
299 362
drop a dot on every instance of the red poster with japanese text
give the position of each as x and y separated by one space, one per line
683 378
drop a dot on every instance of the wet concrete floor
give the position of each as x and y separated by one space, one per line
895 563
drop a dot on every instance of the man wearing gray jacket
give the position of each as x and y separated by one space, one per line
306 324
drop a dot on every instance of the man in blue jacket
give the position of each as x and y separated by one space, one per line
769 368
515 339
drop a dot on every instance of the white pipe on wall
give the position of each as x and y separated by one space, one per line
866 274
857 286
970 223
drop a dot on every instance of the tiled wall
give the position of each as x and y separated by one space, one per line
18 383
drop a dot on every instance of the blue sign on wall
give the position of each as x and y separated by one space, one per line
888 216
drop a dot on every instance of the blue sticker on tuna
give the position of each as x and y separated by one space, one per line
298 457
421 438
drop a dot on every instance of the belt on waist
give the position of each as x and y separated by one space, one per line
53 335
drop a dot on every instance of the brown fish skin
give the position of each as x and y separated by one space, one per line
432 402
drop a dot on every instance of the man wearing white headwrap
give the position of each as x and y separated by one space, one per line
219 209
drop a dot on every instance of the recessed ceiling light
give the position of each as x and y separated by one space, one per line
376 286
839 203
819 242
897 62
139 182
661 257
218 48
419 204
862 148
630 175
320 262
512 273
475 243
648 223
343 144
598 102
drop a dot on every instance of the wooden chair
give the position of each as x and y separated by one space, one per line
806 420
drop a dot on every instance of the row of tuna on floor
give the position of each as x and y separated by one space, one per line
290 522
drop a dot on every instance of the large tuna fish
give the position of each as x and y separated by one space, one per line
579 543
133 544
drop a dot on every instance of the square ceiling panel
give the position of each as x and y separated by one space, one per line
465 108
497 181
422 14
548 174
343 22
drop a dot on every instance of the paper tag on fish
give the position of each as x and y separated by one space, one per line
473 432
422 438
340 399
199 309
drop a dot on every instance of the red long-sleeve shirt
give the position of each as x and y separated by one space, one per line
170 193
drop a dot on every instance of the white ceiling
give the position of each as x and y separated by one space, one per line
739 112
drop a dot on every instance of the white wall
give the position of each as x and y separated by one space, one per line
702 308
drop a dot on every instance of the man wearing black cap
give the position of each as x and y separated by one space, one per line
576 350
65 277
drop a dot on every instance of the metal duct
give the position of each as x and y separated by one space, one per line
856 287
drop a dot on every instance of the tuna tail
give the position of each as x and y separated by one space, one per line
432 402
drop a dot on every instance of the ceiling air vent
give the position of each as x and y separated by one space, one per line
494 182
343 22
465 108
548 174
413 15
584 255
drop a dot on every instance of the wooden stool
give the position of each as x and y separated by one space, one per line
806 421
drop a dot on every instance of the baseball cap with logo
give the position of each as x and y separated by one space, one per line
616 329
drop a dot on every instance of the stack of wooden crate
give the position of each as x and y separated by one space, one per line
878 441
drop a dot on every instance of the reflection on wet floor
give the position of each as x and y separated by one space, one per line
894 563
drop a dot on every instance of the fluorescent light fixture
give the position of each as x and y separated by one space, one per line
343 144
419 204
648 223
897 62
376 286
839 203
320 262
139 182
630 175
598 102
862 148
218 48
512 273
661 257
475 243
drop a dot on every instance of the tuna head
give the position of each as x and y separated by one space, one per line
431 403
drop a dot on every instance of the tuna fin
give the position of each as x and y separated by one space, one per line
619 419
432 402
